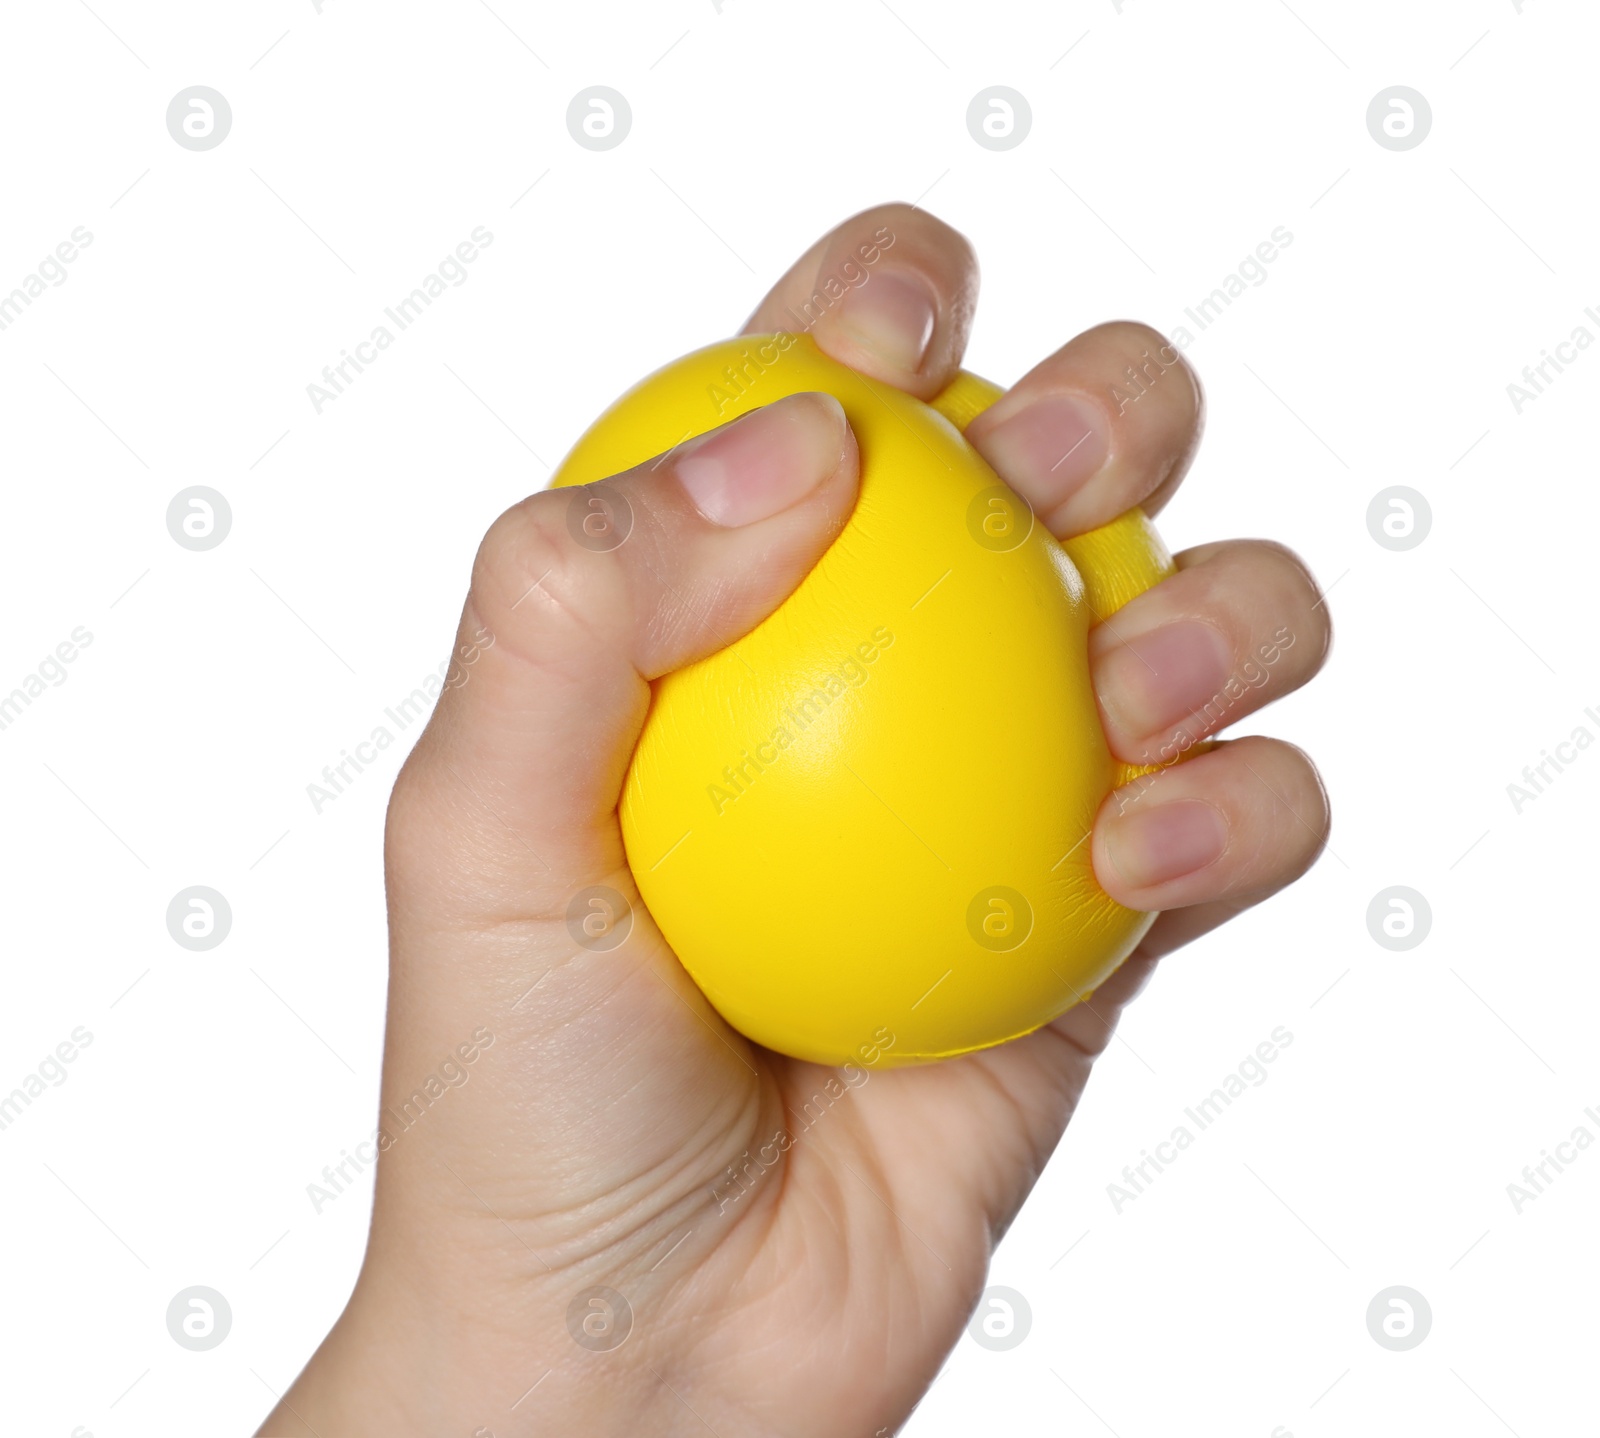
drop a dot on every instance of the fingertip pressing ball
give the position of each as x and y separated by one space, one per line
864 827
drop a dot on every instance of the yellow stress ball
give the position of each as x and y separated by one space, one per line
864 827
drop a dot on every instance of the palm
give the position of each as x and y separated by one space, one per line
853 1227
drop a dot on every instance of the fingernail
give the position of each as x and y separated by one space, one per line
1050 448
1154 846
765 461
1151 681
893 316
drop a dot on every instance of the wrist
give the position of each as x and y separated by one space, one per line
501 1357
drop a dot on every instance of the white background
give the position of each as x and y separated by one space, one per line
1168 140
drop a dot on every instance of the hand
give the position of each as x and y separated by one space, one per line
558 1119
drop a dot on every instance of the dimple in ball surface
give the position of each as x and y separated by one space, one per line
865 825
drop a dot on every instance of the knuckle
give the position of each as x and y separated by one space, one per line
516 550
927 235
1156 363
530 572
1306 797
1283 559
1262 584
1309 779
1295 593
908 216
1132 335
949 239
411 818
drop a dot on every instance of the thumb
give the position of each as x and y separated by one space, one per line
580 597
609 1100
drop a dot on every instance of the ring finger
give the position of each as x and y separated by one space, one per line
1239 625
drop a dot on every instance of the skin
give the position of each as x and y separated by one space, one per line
589 1140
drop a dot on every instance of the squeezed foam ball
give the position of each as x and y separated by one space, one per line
864 827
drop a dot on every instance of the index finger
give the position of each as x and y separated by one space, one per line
890 292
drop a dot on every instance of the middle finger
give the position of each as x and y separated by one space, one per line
1110 420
